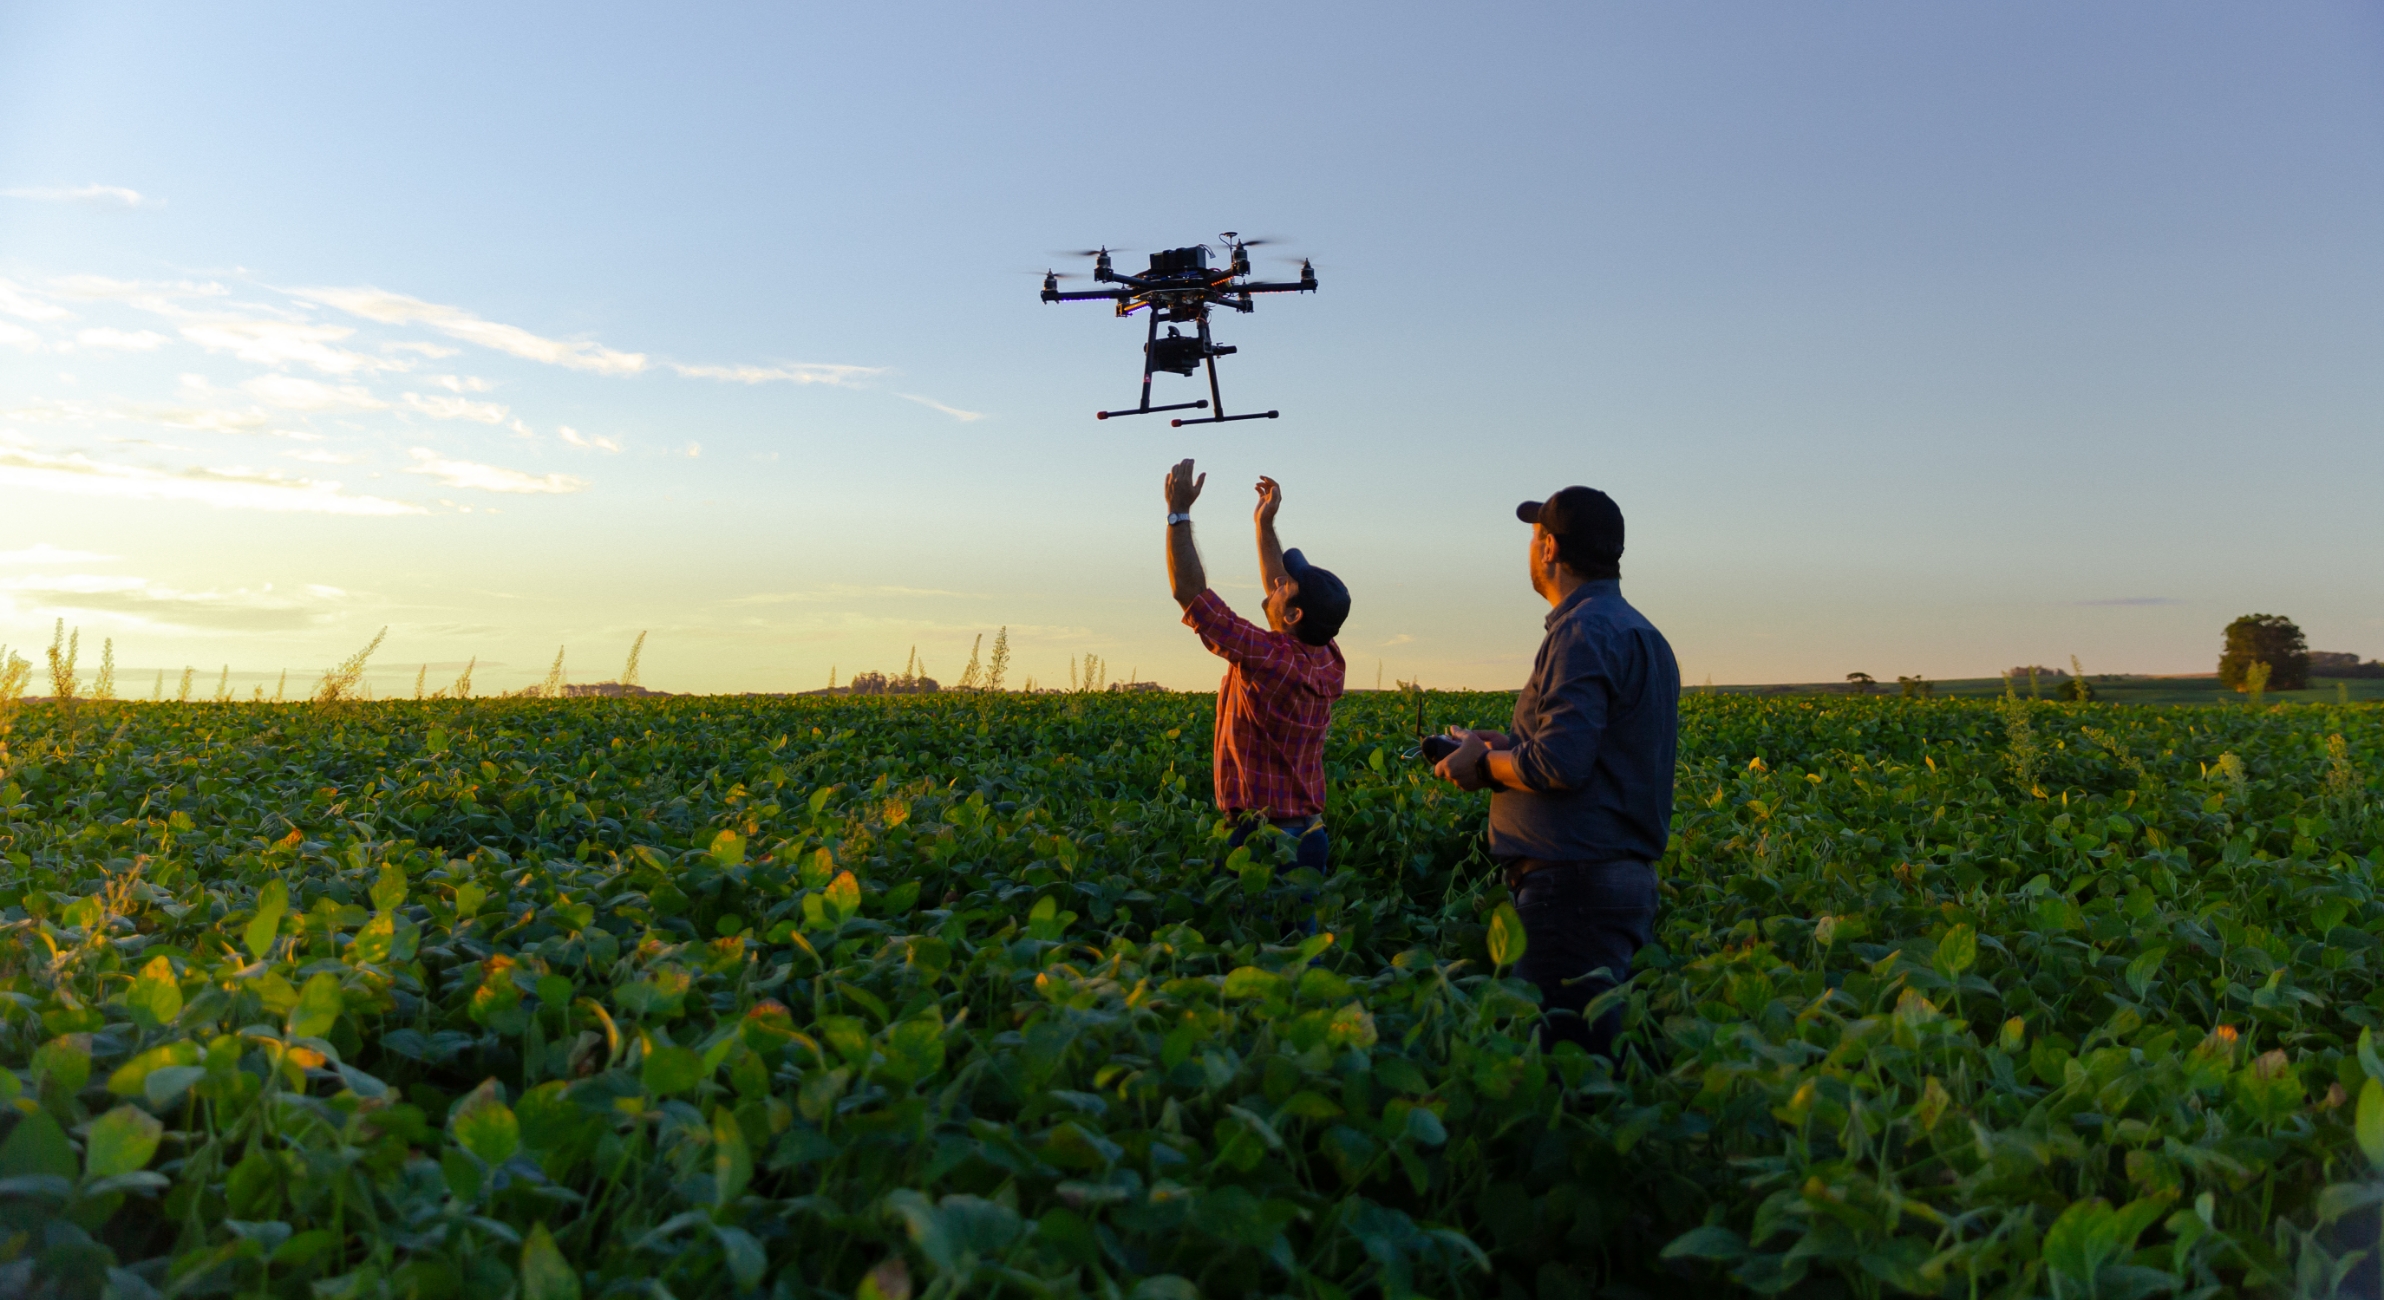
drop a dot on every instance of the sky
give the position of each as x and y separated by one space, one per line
1912 339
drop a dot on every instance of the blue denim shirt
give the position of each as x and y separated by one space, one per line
1595 732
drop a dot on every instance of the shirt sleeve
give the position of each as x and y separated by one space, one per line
1228 635
1562 747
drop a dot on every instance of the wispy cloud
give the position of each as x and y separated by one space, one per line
592 442
17 301
2131 600
965 417
105 195
1403 638
138 599
294 394
123 340
232 488
159 297
17 336
281 342
455 322
841 592
794 373
456 408
44 553
489 478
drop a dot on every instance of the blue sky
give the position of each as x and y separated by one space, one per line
1922 339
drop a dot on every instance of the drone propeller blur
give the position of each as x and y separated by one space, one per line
1179 288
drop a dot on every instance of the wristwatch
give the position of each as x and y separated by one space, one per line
1481 772
1179 518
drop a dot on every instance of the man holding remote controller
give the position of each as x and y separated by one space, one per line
1280 681
1583 802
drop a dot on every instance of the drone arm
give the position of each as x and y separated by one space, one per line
1296 286
1104 294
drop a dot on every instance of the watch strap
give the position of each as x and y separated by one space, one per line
1178 518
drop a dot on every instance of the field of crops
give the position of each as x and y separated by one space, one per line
961 994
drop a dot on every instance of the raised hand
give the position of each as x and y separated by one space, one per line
1270 500
1183 489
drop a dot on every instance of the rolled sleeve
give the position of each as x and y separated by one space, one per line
1562 749
1227 635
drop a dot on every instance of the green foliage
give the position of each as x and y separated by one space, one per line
2270 639
963 994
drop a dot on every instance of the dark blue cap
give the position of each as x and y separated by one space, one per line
1323 598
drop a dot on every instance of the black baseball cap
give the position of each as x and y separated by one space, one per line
1586 520
1323 598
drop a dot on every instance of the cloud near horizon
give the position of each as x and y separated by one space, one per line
455 322
490 478
236 487
99 194
141 601
799 372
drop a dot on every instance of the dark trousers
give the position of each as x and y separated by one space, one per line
1578 917
1315 847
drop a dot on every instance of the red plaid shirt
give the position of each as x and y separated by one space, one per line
1272 710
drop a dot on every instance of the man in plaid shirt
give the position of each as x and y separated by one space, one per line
1280 680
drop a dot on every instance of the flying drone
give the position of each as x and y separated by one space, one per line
1179 288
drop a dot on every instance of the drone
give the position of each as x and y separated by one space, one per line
1180 287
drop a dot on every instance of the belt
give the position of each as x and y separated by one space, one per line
1515 869
1288 825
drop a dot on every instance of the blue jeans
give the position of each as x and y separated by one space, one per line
1314 849
1578 917
1315 846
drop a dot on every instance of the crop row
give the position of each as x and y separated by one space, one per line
964 994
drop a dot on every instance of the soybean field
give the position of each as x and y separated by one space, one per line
961 994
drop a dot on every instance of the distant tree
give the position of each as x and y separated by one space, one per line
1917 688
2270 639
1861 682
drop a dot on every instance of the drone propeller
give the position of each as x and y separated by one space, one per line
1087 252
1234 237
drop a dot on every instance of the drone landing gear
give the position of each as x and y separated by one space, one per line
1220 417
1209 353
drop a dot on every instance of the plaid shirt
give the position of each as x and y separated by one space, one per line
1272 710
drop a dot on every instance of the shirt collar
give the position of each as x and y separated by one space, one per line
1594 589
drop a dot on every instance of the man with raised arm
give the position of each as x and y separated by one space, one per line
1583 807
1280 680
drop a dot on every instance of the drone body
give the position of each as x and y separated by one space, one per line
1179 288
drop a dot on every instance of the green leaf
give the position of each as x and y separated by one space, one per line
319 1005
728 849
545 1274
468 899
37 1147
2369 1126
1713 1241
669 1070
746 1259
844 895
1506 936
272 903
389 892
436 742
375 941
131 1079
484 1126
732 1160
121 1141
1957 950
2144 969
155 998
